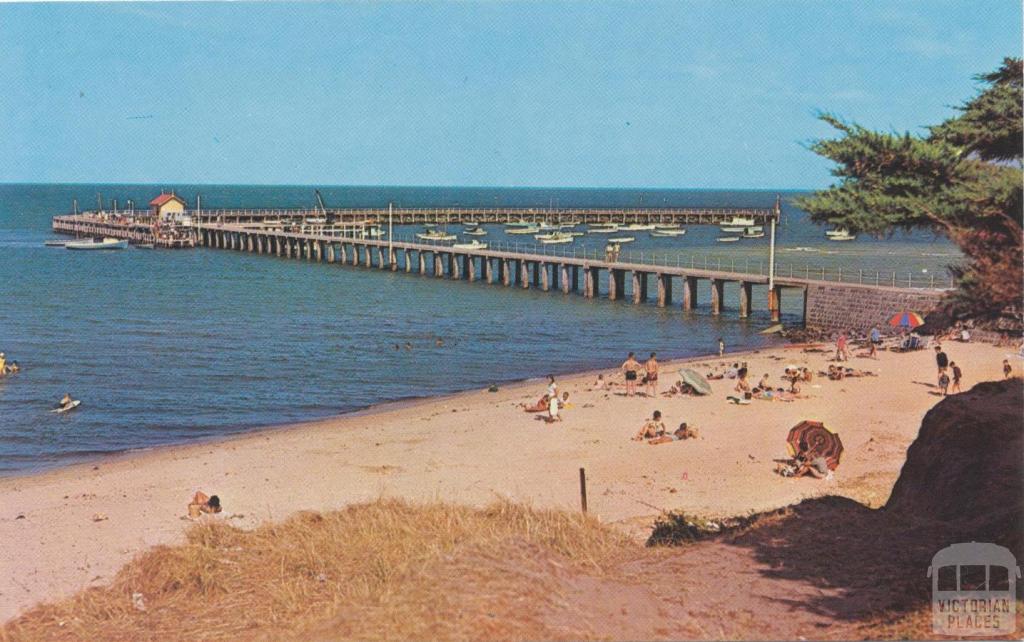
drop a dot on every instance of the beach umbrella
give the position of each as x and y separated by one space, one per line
696 381
817 440
906 319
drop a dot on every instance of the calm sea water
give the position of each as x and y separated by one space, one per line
173 346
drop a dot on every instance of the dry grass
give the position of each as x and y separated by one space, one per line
383 570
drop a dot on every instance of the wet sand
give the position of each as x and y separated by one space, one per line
474 447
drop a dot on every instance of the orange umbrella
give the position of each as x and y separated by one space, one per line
815 440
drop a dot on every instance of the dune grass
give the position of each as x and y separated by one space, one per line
382 570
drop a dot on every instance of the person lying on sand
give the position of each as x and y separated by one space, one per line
681 433
816 467
652 428
202 504
541 406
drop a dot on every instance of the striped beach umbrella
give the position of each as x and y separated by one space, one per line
906 319
813 438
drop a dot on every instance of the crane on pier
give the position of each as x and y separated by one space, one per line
328 216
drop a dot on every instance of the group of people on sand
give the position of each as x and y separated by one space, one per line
654 431
550 402
805 463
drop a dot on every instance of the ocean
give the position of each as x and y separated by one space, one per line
174 346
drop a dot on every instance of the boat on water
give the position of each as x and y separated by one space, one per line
603 229
436 235
622 239
756 232
733 229
667 234
840 231
639 227
523 230
472 245
519 223
667 226
842 237
476 231
55 243
737 221
728 239
555 239
105 243
568 225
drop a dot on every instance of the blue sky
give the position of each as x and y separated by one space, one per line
603 94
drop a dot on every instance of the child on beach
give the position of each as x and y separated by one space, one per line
721 347
957 374
943 383
600 384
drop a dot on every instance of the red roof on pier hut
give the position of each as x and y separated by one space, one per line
165 198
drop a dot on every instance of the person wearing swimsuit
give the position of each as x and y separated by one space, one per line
651 366
630 367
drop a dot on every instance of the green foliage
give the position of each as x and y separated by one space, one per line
962 180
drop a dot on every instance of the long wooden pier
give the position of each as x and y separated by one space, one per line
511 269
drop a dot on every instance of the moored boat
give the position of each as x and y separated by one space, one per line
737 221
603 229
755 232
472 245
556 238
842 237
663 234
622 239
476 231
639 227
522 230
436 235
106 243
728 239
55 243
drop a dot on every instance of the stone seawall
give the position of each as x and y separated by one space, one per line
841 306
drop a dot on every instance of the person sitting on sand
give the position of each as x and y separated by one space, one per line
816 467
681 433
600 384
763 383
733 372
202 504
652 428
742 385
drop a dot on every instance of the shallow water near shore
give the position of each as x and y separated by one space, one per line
174 346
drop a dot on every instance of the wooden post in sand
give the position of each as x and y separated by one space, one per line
583 489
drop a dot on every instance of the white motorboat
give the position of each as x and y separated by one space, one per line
639 227
622 239
472 245
603 229
665 234
555 239
841 231
476 231
842 237
667 226
728 239
436 235
522 230
756 232
519 223
737 221
105 243
733 229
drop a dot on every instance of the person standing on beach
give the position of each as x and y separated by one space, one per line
721 347
630 367
957 375
841 354
651 366
941 360
1007 370
552 387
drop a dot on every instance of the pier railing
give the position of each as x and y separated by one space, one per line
696 260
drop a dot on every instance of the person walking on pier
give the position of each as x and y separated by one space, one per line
630 367
651 378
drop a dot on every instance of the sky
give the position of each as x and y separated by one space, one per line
688 94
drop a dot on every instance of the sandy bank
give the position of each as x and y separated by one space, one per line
471 448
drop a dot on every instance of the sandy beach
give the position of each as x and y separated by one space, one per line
75 527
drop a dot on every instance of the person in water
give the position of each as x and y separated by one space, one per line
65 402
651 366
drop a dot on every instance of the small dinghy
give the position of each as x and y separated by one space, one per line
472 245
728 239
55 243
71 406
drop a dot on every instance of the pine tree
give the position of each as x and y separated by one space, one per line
962 180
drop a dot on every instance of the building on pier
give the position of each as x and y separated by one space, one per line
168 207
